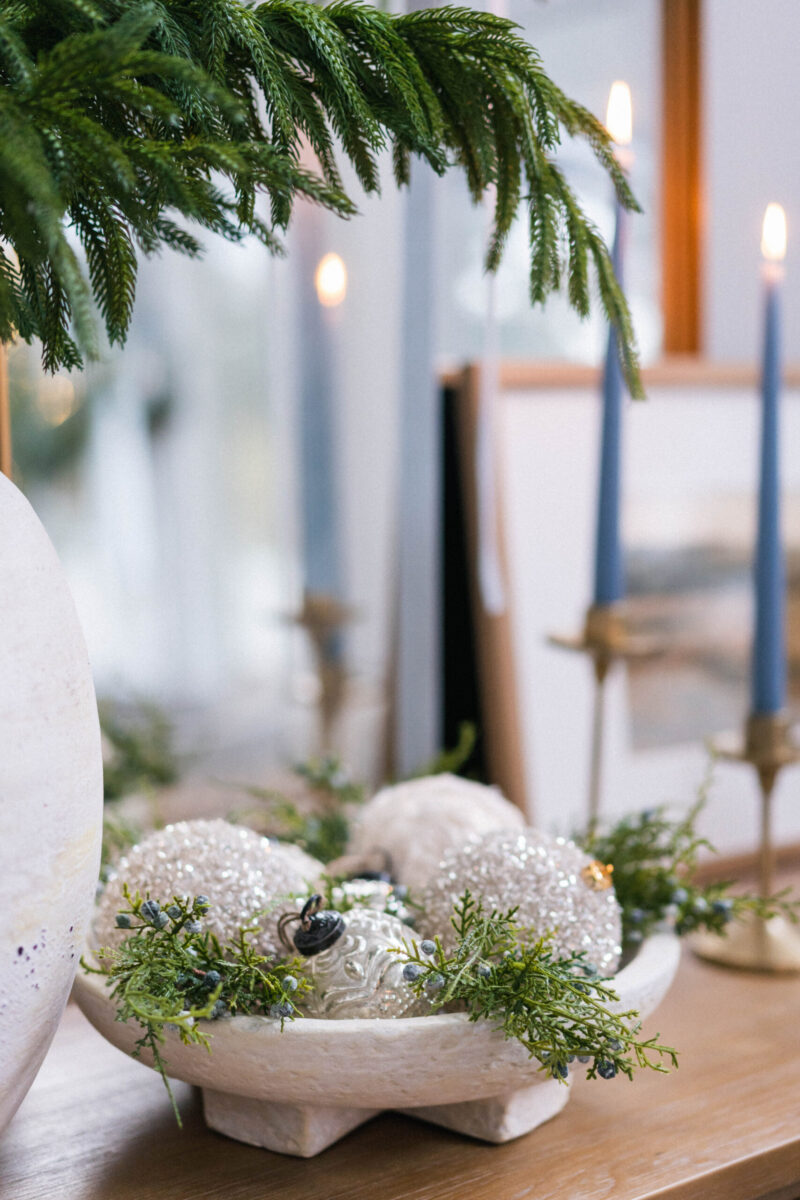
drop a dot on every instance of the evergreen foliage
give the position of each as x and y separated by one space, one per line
557 1008
139 754
170 973
122 123
655 859
453 760
321 827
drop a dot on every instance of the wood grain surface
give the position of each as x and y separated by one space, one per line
726 1126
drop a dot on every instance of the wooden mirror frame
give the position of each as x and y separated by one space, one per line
681 175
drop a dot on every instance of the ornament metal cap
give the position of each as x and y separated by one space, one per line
318 930
597 875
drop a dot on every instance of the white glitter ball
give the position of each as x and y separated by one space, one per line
309 868
542 875
359 976
415 823
239 871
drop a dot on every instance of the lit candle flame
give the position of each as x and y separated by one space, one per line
56 400
330 280
773 234
619 114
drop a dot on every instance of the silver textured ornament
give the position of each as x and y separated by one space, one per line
358 975
239 871
554 884
376 894
414 823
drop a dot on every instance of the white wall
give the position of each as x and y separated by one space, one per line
752 156
685 451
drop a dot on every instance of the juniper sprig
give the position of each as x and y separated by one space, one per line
655 860
558 1009
452 760
321 828
119 834
168 972
129 125
140 748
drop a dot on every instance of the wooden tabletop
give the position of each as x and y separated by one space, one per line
726 1126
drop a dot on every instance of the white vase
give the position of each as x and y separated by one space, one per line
51 794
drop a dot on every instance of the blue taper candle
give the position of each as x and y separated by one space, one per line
769 640
323 282
608 580
608 568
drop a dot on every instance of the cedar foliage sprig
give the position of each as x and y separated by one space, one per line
323 829
655 858
140 748
452 760
558 1009
119 834
125 121
168 972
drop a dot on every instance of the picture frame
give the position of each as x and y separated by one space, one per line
690 480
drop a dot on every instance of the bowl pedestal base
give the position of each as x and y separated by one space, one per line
306 1129
300 1129
499 1118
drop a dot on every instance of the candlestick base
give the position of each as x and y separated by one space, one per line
753 944
768 745
324 618
756 943
606 637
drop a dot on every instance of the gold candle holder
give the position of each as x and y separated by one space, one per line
607 639
755 943
324 618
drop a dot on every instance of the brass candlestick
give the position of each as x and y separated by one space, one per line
755 943
324 618
606 638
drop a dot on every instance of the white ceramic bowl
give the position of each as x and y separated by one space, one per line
296 1091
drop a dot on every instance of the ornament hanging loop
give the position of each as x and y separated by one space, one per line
311 906
317 931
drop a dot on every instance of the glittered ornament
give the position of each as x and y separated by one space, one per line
247 879
414 823
309 868
555 886
349 960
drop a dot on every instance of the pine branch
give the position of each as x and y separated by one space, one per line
127 121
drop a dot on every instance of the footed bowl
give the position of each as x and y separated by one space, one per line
299 1090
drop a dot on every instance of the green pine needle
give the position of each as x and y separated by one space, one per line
123 122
